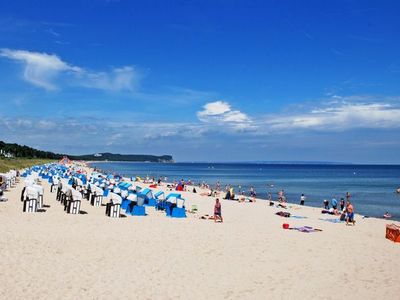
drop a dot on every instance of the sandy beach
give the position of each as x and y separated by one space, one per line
54 255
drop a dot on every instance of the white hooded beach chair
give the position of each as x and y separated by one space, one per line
30 199
40 191
74 204
113 208
97 196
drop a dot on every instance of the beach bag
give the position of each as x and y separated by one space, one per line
393 233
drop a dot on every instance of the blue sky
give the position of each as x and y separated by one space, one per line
203 80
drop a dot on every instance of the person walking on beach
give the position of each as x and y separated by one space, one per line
217 211
350 213
302 199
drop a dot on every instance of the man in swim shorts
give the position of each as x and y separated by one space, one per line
217 211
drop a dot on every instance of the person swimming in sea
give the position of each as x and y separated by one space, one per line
387 215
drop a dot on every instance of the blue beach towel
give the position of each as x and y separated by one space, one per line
331 220
298 217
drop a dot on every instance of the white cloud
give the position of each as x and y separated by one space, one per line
215 108
125 78
42 70
220 112
339 116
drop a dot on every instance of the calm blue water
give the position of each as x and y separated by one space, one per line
372 187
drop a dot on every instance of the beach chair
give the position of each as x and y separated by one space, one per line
134 205
30 197
147 194
175 206
126 203
74 204
97 197
40 191
160 200
113 208
54 185
179 211
67 198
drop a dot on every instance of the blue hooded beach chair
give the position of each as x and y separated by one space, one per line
160 200
177 211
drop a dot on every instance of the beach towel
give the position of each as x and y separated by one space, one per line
306 229
298 217
331 220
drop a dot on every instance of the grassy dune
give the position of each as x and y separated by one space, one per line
7 164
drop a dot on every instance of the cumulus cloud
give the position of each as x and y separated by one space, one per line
220 112
42 70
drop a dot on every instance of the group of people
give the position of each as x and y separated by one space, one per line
346 211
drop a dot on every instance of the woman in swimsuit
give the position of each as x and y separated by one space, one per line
217 211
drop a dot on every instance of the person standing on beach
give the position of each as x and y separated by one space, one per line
217 211
302 199
252 192
348 196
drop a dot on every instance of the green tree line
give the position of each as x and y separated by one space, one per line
25 151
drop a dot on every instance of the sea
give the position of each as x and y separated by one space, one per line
372 187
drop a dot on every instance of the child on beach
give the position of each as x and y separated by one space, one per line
217 211
350 213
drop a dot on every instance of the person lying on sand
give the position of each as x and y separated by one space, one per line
207 217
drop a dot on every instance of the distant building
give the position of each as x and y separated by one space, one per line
6 154
98 155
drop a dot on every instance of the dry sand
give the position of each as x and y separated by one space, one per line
54 255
